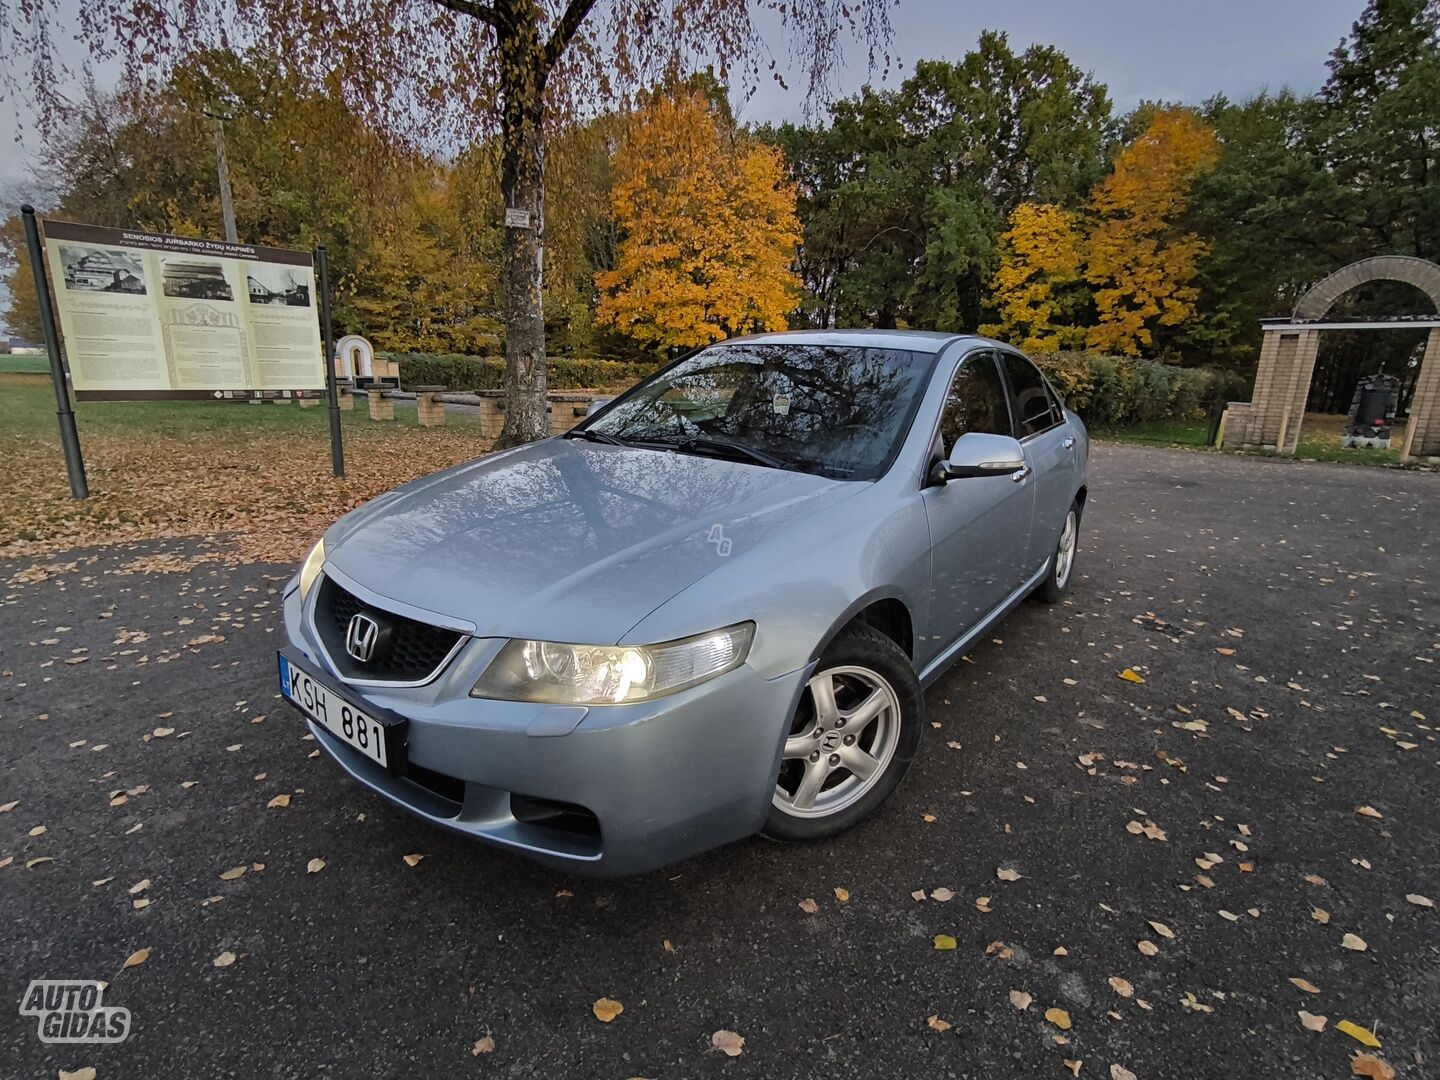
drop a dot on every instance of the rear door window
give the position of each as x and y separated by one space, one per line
1030 400
976 401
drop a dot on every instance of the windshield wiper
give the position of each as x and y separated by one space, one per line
725 448
594 436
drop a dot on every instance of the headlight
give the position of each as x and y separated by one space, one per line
310 571
559 674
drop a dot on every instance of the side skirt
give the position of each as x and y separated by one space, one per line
953 652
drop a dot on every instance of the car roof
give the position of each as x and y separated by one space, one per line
927 341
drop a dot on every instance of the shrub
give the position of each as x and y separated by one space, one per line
457 372
1116 391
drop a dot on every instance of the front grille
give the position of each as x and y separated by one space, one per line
412 651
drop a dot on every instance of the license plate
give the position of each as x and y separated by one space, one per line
346 721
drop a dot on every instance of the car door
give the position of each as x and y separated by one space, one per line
979 526
1049 449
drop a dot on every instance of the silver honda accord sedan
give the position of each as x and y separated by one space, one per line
707 611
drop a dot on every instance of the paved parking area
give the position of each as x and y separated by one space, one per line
1283 618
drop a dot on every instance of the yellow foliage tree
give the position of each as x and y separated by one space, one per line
1140 263
1035 287
708 230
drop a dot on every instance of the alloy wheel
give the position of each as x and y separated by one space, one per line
1065 552
844 734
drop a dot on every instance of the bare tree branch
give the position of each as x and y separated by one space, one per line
484 12
564 32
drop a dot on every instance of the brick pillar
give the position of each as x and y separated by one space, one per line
1307 348
430 409
346 400
492 413
307 403
1422 433
381 407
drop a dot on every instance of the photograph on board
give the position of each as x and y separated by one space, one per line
194 279
269 283
95 269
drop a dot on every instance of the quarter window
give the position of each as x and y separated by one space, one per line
976 402
1030 401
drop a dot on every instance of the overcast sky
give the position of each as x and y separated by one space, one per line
1176 50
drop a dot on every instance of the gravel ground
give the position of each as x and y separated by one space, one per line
1283 618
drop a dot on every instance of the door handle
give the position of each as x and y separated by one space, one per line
1020 475
1069 442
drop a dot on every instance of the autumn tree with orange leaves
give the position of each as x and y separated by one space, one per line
708 230
1141 264
1039 289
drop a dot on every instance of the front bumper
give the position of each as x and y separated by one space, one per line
609 790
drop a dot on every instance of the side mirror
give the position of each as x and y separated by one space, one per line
980 455
596 405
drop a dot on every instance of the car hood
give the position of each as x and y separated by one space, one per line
567 540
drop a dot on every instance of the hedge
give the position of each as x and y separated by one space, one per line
456 372
1107 391
1116 391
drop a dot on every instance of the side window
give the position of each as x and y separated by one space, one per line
976 401
1029 399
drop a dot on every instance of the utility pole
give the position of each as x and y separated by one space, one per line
222 171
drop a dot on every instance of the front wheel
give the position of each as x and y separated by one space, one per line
1062 562
851 739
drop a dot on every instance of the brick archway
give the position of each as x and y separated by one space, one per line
1272 418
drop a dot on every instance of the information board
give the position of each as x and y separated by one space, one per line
151 316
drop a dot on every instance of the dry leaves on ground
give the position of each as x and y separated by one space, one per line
1369 1065
483 1046
809 906
936 1024
1020 999
1364 1036
225 959
606 1009
1313 1022
135 959
728 1042
314 866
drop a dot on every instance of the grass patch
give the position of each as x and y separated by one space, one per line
29 365
1159 433
162 469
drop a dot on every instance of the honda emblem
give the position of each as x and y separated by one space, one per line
361 637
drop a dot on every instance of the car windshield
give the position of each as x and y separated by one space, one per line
840 411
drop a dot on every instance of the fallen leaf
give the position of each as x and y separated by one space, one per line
942 894
139 887
314 866
1361 1035
1161 929
1419 901
1020 999
982 904
606 1009
1229 916
1149 948
918 894
1315 879
1369 811
1353 942
38 830
1121 986
1371 1066
1119 1072
1313 1022
7 807
412 860
278 800
1129 676
141 904
1306 985
809 906
936 1024
843 895
136 958
1073 1065
88 1073
483 1046
1059 1017
225 959
727 1042
1004 873
1320 915
944 942
233 873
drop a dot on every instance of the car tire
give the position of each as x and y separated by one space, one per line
873 685
1062 562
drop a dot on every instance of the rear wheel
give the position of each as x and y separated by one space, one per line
851 739
1062 562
